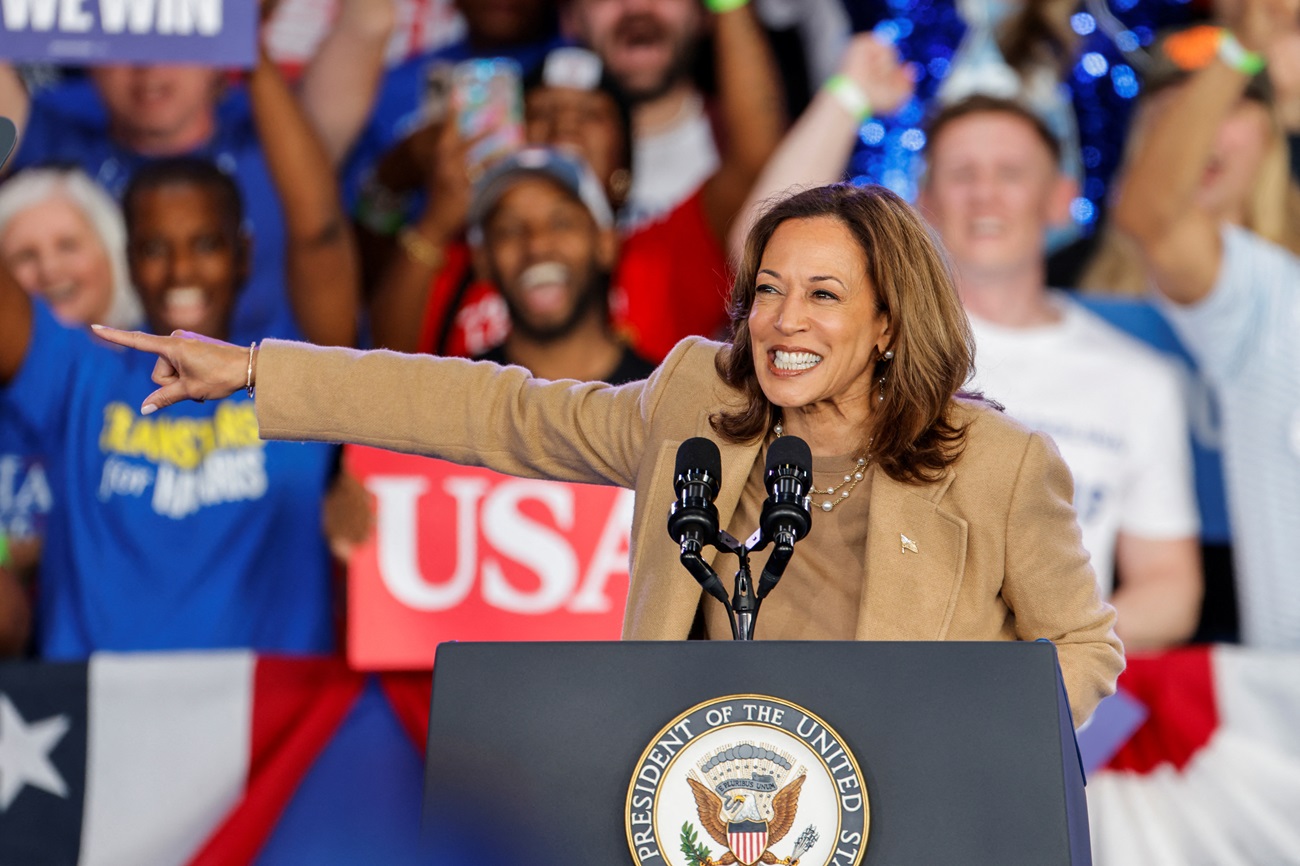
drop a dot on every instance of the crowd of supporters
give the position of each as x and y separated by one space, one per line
564 186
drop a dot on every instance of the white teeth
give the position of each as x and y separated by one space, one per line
796 360
542 274
185 306
184 296
986 225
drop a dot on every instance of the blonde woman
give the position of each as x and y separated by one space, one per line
1246 182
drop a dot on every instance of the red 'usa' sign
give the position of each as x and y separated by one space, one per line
468 554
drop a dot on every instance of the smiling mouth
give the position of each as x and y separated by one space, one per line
151 94
544 287
986 227
60 293
185 307
794 362
640 31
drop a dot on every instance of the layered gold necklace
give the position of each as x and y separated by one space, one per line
845 487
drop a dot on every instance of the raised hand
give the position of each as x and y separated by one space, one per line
875 67
1283 53
190 366
1264 22
447 180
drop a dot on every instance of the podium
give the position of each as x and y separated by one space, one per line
963 753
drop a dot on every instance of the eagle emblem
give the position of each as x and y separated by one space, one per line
745 806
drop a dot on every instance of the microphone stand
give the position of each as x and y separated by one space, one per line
742 609
693 523
744 603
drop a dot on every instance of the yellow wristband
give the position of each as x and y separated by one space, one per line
717 7
850 96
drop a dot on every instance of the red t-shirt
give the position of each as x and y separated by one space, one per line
671 281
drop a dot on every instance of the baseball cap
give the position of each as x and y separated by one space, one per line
565 169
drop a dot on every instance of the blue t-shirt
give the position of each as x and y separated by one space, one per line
179 530
25 497
397 110
69 126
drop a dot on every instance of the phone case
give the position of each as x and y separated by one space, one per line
487 99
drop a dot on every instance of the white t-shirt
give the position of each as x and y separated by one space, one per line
669 166
1244 338
1116 410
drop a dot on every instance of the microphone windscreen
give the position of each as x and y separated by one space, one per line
700 453
789 449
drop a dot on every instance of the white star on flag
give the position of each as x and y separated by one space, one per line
25 753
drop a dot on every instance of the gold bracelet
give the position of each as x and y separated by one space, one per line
420 249
248 382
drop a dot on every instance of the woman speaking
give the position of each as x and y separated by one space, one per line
936 517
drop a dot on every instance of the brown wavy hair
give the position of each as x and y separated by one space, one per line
911 433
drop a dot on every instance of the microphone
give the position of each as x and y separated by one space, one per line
786 515
693 519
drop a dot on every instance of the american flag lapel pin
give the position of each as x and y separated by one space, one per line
908 544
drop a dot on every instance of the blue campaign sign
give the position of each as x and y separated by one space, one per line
92 32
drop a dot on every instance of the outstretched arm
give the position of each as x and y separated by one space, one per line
752 109
818 146
339 84
1157 205
321 257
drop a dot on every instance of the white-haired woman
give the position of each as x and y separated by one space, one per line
63 238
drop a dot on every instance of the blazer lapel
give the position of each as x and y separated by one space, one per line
916 557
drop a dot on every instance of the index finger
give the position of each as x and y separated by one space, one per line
132 339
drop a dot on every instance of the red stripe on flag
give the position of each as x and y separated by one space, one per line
1178 690
298 705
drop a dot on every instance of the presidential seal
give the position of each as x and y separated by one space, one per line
747 779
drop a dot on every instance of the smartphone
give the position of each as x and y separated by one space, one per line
487 99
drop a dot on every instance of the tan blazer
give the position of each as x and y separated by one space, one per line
998 547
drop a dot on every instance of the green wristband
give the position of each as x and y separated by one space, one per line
4 551
850 96
717 7
1238 56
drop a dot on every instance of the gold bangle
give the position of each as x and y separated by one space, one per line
248 382
420 249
